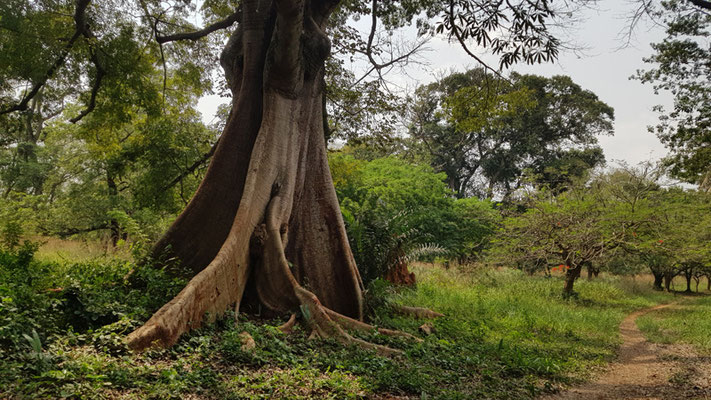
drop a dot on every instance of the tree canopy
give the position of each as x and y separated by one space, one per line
490 135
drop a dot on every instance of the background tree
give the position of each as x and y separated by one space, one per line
639 196
570 230
684 234
681 66
669 235
487 133
121 144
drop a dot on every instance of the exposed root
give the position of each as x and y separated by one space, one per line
317 316
324 322
417 312
288 325
354 324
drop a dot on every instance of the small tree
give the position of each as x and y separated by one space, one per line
570 230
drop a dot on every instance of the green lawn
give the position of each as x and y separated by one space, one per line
687 322
505 335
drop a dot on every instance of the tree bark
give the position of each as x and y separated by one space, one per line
668 277
658 279
115 229
266 213
570 276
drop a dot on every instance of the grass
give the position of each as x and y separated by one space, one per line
505 335
554 338
74 250
687 322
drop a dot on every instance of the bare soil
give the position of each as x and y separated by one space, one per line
647 370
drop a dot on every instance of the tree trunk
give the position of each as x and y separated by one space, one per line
688 282
114 228
266 213
708 282
668 277
570 276
658 279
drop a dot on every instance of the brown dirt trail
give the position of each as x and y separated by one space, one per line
646 370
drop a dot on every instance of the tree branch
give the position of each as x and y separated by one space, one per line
74 231
80 20
222 24
460 39
706 5
191 168
100 72
376 66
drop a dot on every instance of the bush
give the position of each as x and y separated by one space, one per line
394 209
51 299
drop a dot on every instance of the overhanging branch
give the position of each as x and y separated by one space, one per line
379 66
75 231
460 39
202 160
100 72
222 24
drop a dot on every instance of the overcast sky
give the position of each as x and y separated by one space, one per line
604 68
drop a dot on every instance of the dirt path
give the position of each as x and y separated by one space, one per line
646 370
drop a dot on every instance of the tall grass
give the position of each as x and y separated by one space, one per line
529 313
75 250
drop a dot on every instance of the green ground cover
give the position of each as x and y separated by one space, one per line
505 335
689 321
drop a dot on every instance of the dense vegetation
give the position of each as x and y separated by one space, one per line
63 329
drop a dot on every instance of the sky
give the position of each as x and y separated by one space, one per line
603 67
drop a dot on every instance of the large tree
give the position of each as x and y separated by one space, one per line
266 213
487 133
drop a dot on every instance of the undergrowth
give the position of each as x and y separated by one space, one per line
505 335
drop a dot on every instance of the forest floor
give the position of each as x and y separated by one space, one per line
646 370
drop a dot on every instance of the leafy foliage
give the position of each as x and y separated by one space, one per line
491 136
393 208
680 66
